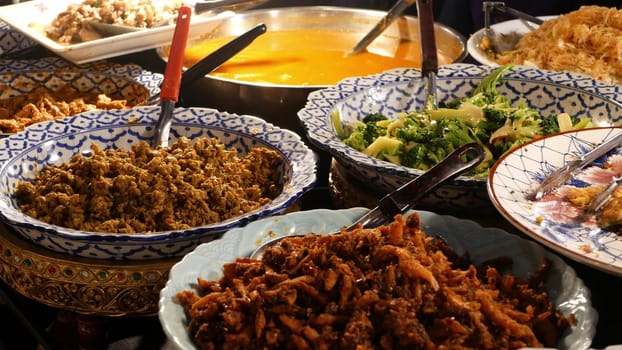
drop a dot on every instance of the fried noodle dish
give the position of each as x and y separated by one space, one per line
187 184
391 287
588 41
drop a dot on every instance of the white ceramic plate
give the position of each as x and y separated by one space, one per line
506 27
551 221
568 291
30 17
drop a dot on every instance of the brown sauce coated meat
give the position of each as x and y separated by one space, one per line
188 184
392 287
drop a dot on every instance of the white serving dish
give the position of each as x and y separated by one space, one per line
30 18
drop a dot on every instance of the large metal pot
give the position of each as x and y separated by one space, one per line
279 104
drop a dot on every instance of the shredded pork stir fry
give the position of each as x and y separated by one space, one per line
188 184
393 287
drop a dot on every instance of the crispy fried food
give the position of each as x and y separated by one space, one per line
610 216
588 41
40 105
141 190
392 287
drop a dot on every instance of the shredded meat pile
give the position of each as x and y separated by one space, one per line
393 287
188 184
72 25
40 105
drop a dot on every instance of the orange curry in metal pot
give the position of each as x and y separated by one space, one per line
310 57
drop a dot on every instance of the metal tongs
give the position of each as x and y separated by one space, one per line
599 201
504 42
408 195
565 173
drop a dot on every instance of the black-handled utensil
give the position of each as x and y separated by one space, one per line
220 56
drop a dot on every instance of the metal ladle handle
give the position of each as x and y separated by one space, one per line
429 55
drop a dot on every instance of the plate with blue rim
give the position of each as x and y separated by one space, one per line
553 220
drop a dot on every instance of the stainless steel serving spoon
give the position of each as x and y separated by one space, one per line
429 55
393 13
404 198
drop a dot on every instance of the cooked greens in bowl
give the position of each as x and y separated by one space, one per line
401 91
422 137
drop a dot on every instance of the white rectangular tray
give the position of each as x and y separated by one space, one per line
31 17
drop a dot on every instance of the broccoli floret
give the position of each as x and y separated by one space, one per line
488 86
549 125
417 134
454 104
374 117
438 149
456 132
356 140
423 156
415 156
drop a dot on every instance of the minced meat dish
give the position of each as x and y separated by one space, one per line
142 190
392 287
72 25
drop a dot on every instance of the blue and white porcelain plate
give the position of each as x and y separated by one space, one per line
24 154
553 221
568 292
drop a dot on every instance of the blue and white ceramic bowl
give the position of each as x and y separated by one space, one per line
114 86
12 41
403 90
567 290
150 80
25 153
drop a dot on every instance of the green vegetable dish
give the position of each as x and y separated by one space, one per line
421 139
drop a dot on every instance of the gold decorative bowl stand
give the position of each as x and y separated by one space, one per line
87 293
81 285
